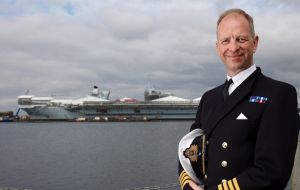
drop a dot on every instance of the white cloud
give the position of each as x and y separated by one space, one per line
117 44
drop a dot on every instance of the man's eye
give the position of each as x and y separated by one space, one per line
242 40
225 41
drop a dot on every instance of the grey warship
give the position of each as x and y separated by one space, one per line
97 106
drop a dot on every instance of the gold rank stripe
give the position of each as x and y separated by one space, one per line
229 185
220 187
225 186
184 178
235 183
183 173
186 182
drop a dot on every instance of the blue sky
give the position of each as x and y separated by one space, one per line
64 48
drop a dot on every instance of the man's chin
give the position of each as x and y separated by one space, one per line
234 64
235 60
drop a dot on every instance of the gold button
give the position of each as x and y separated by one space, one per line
224 164
224 144
224 181
205 176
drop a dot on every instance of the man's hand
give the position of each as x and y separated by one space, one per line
195 186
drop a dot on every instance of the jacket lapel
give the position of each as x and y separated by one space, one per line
233 100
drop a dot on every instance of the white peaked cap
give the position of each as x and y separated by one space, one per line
185 143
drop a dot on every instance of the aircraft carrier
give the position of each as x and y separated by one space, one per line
97 107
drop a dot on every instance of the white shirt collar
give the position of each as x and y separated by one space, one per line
240 77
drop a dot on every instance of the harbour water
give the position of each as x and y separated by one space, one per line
90 156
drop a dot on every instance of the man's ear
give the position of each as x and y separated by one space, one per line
217 48
255 42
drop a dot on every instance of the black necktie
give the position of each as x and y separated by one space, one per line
225 90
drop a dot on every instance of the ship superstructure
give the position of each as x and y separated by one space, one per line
97 106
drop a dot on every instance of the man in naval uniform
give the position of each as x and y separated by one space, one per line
251 122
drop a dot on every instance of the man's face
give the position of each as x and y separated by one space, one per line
235 45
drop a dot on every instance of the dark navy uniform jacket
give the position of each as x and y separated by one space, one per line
252 136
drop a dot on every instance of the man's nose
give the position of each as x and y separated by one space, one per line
233 46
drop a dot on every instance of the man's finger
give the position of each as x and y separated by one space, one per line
194 186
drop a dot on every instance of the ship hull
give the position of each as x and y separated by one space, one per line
50 113
116 111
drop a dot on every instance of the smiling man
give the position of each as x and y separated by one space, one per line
236 42
251 122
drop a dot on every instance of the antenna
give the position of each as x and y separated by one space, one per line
27 92
149 85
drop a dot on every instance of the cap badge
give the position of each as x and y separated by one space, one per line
192 153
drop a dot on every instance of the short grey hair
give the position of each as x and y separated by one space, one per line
240 12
